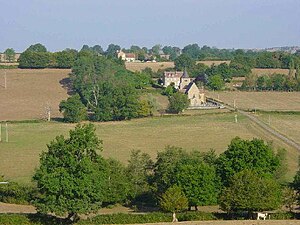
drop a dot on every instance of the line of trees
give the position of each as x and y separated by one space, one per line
106 91
73 178
244 58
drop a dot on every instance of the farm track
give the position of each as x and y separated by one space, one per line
271 130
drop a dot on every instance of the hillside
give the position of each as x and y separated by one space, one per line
28 92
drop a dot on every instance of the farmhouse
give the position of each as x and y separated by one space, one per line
128 57
186 85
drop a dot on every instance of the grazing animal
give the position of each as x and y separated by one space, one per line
262 216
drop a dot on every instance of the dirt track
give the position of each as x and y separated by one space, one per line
235 222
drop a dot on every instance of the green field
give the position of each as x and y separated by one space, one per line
20 156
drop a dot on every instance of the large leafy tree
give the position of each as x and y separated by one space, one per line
164 168
247 154
72 177
198 181
37 48
66 58
112 49
248 191
118 186
73 110
216 82
183 62
138 172
192 50
178 102
34 60
173 200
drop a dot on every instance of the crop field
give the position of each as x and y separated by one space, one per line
20 156
260 72
29 92
138 66
267 101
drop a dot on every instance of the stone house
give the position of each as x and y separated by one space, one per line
128 57
186 85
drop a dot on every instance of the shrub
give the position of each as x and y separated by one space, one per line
16 193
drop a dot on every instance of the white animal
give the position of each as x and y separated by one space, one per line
262 216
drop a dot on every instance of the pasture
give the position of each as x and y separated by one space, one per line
20 156
285 123
267 101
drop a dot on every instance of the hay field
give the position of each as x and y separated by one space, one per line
267 101
155 66
28 92
261 72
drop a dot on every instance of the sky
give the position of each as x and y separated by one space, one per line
60 24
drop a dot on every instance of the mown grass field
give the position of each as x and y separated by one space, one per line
20 156
267 101
287 124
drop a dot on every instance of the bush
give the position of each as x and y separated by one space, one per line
16 193
122 218
156 217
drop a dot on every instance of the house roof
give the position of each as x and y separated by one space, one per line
172 74
188 87
130 55
185 74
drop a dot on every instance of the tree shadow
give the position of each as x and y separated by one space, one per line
66 83
47 219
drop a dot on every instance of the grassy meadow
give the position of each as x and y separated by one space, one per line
20 156
266 101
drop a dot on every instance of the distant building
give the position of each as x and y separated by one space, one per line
186 85
165 56
128 57
4 60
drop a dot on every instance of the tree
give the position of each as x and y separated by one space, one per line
112 50
170 90
197 180
183 62
156 49
164 168
247 191
215 82
10 55
36 48
173 200
72 177
138 171
34 60
73 109
118 186
98 49
66 58
247 154
192 50
178 102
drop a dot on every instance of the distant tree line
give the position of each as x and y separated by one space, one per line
246 58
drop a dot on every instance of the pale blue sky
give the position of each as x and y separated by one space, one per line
59 24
